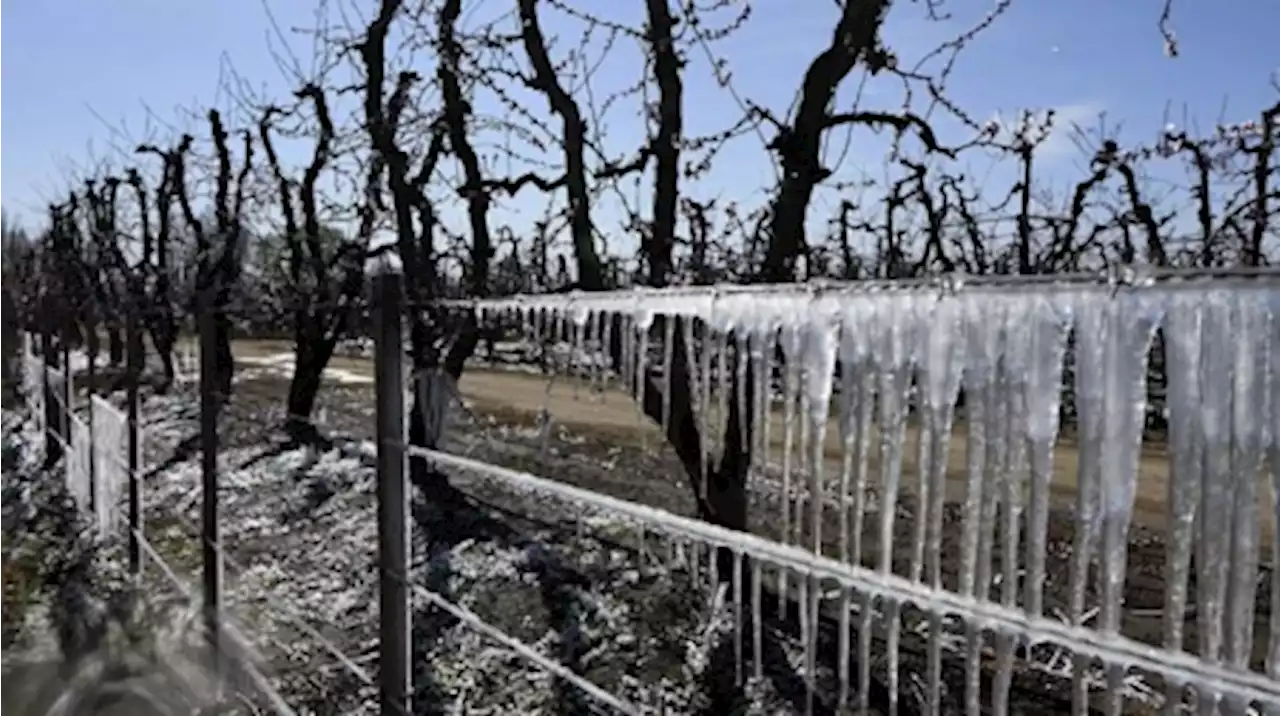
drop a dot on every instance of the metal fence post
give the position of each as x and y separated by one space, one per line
68 392
393 542
52 417
91 376
209 408
133 374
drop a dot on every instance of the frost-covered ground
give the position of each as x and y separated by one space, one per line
299 538
299 533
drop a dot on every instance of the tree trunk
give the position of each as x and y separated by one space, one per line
222 349
433 391
426 427
312 352
138 348
164 335
115 344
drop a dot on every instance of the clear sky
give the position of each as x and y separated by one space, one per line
73 67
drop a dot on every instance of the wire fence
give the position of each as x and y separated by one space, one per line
892 561
95 441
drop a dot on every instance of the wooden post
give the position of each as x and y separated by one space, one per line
393 506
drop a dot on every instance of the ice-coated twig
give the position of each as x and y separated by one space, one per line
524 651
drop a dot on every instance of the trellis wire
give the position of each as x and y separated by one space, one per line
1033 629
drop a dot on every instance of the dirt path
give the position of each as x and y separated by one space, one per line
521 396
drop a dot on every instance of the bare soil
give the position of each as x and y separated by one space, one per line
611 413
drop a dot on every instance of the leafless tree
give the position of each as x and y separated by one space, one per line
324 280
219 248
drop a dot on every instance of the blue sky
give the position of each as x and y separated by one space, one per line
70 65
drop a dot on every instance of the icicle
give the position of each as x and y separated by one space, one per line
941 367
812 604
1182 345
1248 451
864 416
706 348
724 386
695 564
842 650
737 617
742 349
770 347
640 364
821 344
894 358
605 354
850 403
866 610
539 336
696 393
596 346
757 623
1090 411
577 350
893 613
1273 649
790 336
668 348
1128 322
997 454
627 338
713 567
806 629
802 454
980 371
556 319
1017 340
1213 555
1049 330
759 339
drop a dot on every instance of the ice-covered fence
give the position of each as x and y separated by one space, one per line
905 354
860 590
111 461
79 456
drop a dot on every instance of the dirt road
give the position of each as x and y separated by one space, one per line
519 397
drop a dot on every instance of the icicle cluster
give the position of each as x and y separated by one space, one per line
889 359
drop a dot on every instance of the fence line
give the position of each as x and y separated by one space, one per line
901 346
913 347
1183 668
97 468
